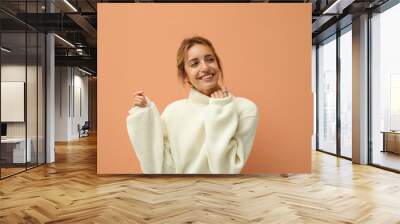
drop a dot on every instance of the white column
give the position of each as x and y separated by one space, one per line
50 110
360 90
50 92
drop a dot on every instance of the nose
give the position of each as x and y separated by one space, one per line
204 66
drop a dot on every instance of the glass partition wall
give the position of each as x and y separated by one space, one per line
334 105
334 95
345 62
327 95
22 88
385 89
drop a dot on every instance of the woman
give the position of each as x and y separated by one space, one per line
209 132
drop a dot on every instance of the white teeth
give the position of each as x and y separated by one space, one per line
206 76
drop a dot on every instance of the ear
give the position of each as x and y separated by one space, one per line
220 80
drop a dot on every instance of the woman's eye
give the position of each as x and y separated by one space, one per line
210 59
194 64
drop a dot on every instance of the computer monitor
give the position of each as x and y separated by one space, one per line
3 129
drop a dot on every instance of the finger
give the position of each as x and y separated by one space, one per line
140 97
224 91
140 105
136 99
139 101
145 99
227 92
141 92
215 95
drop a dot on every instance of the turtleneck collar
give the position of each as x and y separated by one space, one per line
198 97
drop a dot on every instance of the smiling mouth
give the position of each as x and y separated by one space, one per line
206 77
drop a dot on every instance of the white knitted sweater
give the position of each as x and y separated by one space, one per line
197 135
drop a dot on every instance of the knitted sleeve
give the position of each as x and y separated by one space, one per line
229 137
149 139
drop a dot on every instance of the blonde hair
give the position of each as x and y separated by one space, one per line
186 44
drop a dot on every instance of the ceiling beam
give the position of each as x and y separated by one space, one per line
85 61
84 24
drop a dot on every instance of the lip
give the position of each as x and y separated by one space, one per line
207 76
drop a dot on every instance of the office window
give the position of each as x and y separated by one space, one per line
314 90
385 88
13 149
346 92
22 91
327 95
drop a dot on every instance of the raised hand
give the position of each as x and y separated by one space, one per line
220 93
139 99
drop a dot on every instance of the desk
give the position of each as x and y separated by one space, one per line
391 141
13 150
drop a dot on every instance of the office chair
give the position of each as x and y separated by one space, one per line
84 130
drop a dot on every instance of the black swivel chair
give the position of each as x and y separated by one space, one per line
84 130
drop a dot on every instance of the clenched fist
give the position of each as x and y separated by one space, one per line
139 99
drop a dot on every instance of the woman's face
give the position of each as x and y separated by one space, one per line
202 69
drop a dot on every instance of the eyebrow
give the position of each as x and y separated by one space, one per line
193 59
206 56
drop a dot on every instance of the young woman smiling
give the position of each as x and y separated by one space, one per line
211 131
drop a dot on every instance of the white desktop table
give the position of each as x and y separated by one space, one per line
18 149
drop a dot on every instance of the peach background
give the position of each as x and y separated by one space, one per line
266 55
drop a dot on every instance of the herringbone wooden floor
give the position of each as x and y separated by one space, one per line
69 191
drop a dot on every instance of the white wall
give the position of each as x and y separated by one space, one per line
71 94
10 73
34 125
62 78
79 117
16 73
